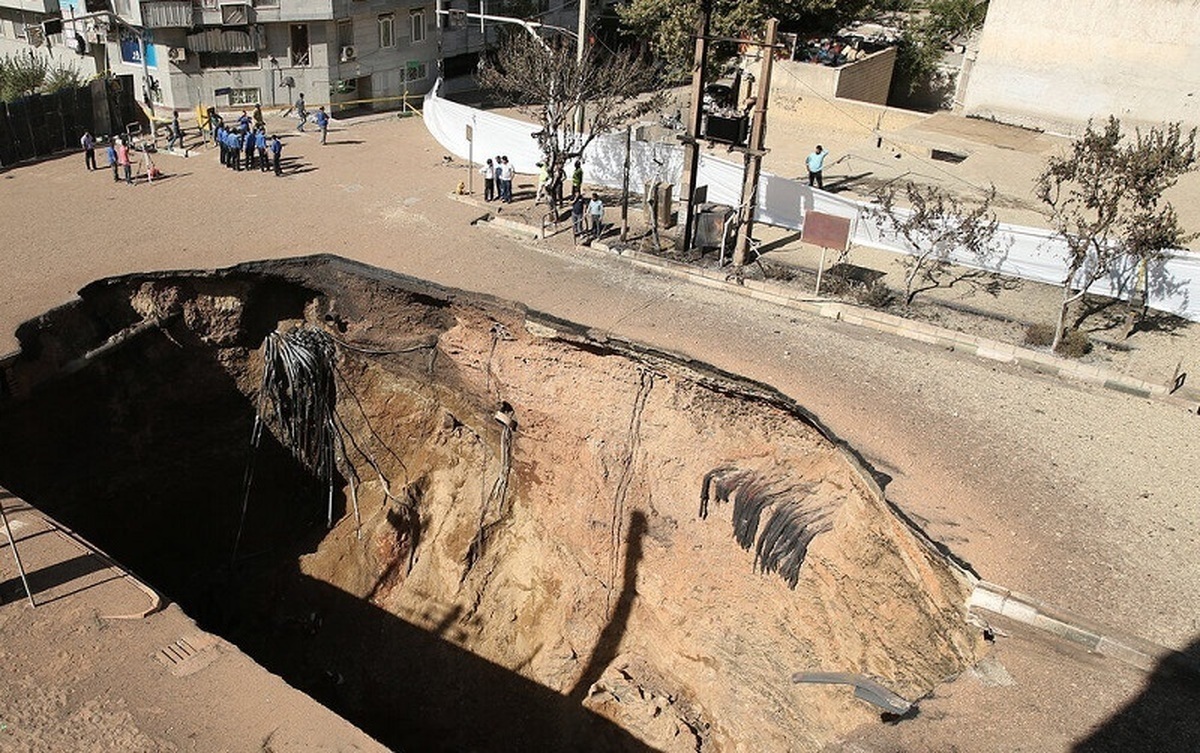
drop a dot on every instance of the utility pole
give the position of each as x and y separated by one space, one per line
580 51
691 143
754 149
625 189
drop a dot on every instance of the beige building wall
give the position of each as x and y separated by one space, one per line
1052 65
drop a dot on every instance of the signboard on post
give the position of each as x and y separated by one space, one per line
827 231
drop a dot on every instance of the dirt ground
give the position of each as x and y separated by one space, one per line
1079 496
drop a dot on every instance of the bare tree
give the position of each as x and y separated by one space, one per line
935 225
1105 200
546 81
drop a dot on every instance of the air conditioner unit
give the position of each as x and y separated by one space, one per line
348 53
177 54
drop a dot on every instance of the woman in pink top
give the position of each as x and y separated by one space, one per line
123 161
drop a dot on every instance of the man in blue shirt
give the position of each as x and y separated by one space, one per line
260 143
816 163
322 121
276 149
112 159
248 145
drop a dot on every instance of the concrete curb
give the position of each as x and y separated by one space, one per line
1029 359
1094 638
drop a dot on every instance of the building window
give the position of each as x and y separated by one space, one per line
266 3
345 33
416 20
415 71
387 30
244 96
299 46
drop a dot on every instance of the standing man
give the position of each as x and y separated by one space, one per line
488 172
816 163
219 137
89 150
235 150
578 205
112 159
260 143
301 112
276 150
596 215
176 132
259 120
506 180
322 121
577 180
123 161
249 147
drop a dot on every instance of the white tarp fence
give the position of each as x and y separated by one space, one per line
1026 253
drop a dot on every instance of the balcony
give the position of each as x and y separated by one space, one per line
32 6
166 14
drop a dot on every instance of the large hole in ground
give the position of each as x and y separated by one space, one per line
567 541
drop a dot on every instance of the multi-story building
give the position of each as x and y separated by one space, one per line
22 33
230 54
233 53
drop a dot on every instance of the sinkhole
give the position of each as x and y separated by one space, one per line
466 526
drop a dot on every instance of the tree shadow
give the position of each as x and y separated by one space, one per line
1163 718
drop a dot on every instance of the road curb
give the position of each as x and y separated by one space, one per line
1037 361
1092 637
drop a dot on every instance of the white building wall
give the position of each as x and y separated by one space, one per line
1053 65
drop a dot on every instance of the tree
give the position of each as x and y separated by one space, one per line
25 74
1105 200
547 82
668 26
936 225
922 46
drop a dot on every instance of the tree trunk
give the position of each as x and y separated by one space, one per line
1061 325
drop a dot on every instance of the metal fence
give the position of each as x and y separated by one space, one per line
42 124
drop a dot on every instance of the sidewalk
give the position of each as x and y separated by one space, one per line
102 663
989 325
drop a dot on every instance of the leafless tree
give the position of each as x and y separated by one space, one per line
547 82
935 225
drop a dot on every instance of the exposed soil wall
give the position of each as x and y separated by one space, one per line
573 582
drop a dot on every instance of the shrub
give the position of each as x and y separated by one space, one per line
876 295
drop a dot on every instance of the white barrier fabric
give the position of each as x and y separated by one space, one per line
1025 252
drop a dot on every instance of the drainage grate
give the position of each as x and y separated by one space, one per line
189 654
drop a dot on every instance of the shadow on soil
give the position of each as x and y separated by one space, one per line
143 453
1162 718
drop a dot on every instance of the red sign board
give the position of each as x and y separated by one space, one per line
826 230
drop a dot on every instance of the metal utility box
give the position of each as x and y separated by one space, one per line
727 130
713 225
660 196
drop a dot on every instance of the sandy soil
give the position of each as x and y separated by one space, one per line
1079 496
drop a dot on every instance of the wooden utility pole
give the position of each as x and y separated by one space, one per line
581 41
625 189
754 148
691 143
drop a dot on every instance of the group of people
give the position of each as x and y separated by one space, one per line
587 216
497 180
321 118
248 137
120 151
